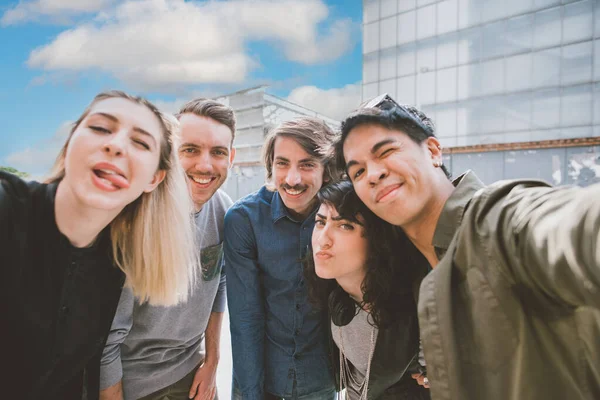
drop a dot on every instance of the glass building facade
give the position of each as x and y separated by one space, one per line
494 74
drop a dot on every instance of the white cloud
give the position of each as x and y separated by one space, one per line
39 158
60 11
335 103
157 43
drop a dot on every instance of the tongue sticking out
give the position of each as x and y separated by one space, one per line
115 179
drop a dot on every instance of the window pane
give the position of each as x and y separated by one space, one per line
445 120
370 90
577 106
547 28
545 164
546 109
492 10
388 36
406 90
406 60
426 55
583 165
576 63
469 81
492 115
406 27
578 21
467 118
447 17
406 5
518 111
492 77
371 37
388 8
371 68
425 88
424 2
447 55
518 72
446 85
426 22
387 64
596 103
370 10
469 13
469 46
514 7
388 86
519 34
546 68
544 3
493 40
597 21
597 60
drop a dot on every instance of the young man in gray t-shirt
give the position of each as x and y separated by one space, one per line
155 351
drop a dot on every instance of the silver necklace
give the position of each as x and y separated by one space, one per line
345 373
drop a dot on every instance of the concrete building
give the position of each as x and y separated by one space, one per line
513 85
257 112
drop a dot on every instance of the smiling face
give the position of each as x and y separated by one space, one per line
113 155
339 246
206 155
392 174
297 175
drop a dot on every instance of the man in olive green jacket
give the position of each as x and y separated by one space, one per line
511 309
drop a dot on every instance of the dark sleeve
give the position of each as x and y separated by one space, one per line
14 200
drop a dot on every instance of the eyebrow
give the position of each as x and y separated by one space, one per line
115 119
338 218
309 159
374 150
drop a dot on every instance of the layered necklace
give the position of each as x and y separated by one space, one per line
346 373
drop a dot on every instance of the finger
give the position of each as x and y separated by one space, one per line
196 389
415 376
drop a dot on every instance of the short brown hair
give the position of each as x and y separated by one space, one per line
211 109
313 135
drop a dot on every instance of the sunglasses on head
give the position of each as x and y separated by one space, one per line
385 102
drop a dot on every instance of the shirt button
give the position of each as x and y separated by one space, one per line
64 309
297 332
297 306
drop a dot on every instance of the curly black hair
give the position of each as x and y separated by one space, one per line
392 265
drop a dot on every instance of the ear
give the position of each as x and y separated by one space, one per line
434 149
159 176
231 157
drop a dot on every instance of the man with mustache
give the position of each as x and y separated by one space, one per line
279 342
172 352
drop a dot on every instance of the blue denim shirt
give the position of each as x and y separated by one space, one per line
276 335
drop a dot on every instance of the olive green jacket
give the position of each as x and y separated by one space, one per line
511 312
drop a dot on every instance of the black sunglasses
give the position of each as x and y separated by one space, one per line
385 102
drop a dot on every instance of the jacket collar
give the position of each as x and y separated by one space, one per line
450 219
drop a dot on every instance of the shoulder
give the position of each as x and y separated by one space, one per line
16 194
252 204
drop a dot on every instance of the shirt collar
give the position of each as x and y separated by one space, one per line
279 210
450 219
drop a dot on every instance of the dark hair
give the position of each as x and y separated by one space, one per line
313 135
392 265
211 109
385 112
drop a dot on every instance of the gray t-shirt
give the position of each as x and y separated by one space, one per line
357 346
152 347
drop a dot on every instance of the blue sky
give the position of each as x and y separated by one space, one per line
57 54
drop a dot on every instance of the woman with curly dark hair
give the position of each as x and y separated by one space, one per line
365 272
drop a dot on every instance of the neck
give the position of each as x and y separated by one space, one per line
420 231
78 222
351 284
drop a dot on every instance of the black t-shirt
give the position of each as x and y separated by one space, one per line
57 301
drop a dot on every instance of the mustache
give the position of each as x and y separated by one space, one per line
295 187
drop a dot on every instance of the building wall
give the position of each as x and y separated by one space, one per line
488 71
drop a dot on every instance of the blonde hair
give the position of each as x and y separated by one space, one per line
153 238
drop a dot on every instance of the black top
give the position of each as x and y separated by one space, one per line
56 301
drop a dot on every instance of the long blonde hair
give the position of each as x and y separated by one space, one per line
153 238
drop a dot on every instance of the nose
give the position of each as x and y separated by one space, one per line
375 173
203 163
116 144
293 177
324 239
